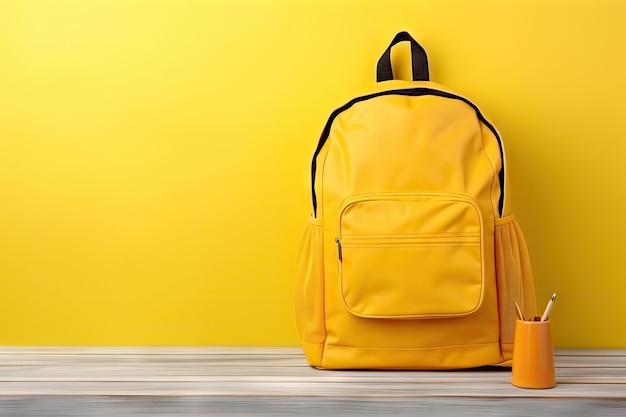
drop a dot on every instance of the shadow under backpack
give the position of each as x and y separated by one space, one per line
411 257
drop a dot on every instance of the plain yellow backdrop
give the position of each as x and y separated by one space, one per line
154 155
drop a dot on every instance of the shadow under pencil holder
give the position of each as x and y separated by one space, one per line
533 356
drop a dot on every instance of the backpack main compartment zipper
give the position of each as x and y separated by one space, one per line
413 92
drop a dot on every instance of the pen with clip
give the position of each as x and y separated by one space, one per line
548 309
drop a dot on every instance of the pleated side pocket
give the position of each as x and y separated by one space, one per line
514 280
309 291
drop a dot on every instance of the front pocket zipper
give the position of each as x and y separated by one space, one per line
410 255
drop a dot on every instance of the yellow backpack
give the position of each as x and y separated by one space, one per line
411 258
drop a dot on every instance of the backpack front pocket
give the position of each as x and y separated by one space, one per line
410 256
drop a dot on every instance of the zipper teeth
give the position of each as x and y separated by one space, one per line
417 243
410 247
392 240
414 92
409 236
357 241
393 196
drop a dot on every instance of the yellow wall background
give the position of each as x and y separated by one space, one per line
154 155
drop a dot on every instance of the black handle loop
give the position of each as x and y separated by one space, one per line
418 59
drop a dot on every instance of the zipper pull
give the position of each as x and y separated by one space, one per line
338 242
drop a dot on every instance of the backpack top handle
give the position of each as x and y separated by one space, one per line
419 60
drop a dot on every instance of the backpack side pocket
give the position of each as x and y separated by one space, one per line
309 291
514 280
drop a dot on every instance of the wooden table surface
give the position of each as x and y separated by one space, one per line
278 382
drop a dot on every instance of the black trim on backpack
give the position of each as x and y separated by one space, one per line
414 92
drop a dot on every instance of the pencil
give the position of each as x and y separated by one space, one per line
546 313
520 316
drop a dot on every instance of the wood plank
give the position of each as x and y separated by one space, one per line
195 406
263 361
147 350
197 372
586 380
258 361
314 389
590 352
590 361
228 351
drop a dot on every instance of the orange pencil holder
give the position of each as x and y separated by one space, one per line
533 356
